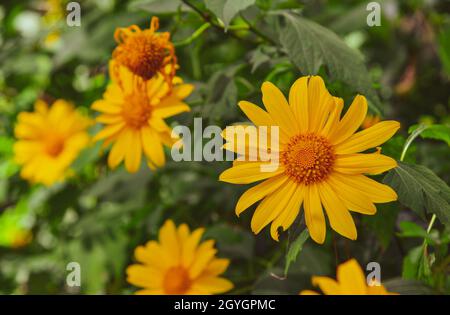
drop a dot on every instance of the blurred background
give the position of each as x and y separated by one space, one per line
98 216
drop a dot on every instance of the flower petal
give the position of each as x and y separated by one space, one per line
340 218
279 109
368 138
258 192
351 121
373 163
247 173
315 219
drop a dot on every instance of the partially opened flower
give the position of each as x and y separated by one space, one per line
134 117
320 161
350 281
179 264
49 140
146 52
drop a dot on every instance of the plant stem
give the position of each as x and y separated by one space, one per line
194 35
411 138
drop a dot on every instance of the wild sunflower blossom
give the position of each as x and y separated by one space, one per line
320 164
179 264
49 140
146 52
134 117
350 281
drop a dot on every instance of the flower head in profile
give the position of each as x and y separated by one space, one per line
146 52
134 117
321 164
49 140
350 281
179 264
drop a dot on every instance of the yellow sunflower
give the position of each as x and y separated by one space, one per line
320 164
179 264
350 281
49 140
134 117
146 52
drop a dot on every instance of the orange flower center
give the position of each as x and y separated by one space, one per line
54 145
136 109
176 281
143 53
308 158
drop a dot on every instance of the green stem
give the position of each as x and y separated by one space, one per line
194 35
411 138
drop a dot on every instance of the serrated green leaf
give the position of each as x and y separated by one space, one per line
311 45
421 190
437 132
227 9
295 249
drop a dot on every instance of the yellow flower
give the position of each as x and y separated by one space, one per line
350 281
134 117
370 120
49 140
319 161
179 264
146 52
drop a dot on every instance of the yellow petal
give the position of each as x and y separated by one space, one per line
247 173
203 256
133 153
315 219
288 215
256 114
168 237
213 285
351 121
152 146
320 103
368 138
190 246
279 109
327 285
373 163
117 153
106 107
109 131
258 192
340 219
352 198
375 191
333 119
298 100
168 111
272 206
144 276
351 278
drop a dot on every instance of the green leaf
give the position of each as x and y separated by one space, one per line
159 6
444 48
419 189
295 249
227 9
407 287
383 222
311 45
410 229
437 132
